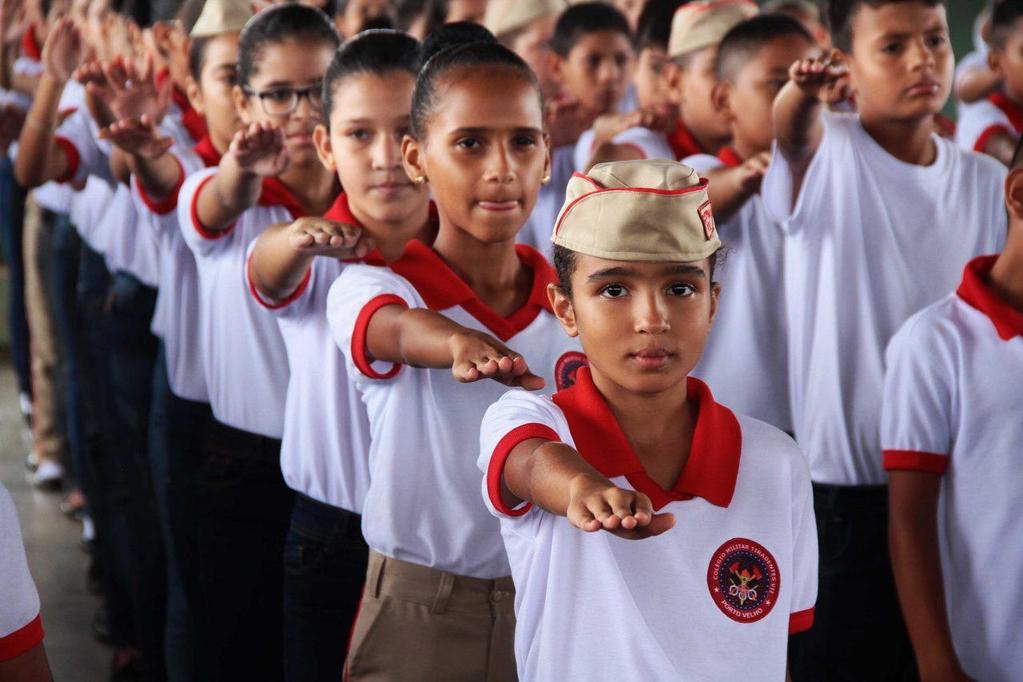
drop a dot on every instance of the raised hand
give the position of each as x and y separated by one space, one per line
480 356
138 136
595 504
752 171
325 237
259 149
134 91
826 77
13 22
566 121
63 51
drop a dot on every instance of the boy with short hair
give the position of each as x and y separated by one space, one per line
951 433
526 27
993 125
747 359
873 234
636 442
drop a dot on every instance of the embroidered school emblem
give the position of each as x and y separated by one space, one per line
567 367
707 218
744 580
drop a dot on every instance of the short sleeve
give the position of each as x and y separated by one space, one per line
703 163
916 432
20 625
199 239
805 557
978 123
649 143
78 137
294 304
354 298
518 416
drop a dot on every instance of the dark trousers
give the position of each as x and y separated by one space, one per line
325 559
858 632
12 214
245 509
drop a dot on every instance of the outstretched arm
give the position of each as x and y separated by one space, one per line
730 188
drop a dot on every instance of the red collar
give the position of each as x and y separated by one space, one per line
341 212
30 45
276 194
713 464
975 290
729 157
193 121
1011 109
683 143
207 152
441 288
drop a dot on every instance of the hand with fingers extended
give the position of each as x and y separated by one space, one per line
134 91
259 149
479 356
325 237
138 136
597 504
825 78
13 22
63 50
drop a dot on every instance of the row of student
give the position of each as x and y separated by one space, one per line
476 138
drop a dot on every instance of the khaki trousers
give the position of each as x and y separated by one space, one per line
420 624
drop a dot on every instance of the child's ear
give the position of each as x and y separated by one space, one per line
1014 193
555 66
672 74
994 61
547 158
715 293
721 98
321 139
412 160
194 95
241 104
561 304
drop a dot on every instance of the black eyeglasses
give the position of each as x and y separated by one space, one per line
283 101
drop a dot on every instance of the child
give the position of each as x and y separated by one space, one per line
993 125
951 433
746 360
437 587
974 77
526 28
872 236
630 447
269 174
367 100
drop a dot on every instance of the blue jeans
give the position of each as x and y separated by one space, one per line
12 213
325 558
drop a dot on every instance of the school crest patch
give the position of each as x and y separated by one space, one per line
707 218
567 367
744 580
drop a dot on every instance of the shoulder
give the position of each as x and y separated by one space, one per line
768 445
931 331
986 169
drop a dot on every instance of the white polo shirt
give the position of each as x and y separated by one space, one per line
175 319
871 240
648 143
325 449
243 353
714 598
423 503
20 626
952 407
125 239
980 120
745 360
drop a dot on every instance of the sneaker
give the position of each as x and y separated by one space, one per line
32 461
74 504
49 475
25 404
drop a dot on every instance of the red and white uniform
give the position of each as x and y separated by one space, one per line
650 144
746 357
243 353
714 598
174 319
870 240
423 503
980 120
952 407
20 626
325 448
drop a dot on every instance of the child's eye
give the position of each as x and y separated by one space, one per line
468 143
524 141
593 63
613 291
359 134
278 95
892 48
621 60
936 40
682 289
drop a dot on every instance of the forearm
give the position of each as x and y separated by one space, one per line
1002 146
797 123
976 84
276 268
39 158
157 177
726 192
545 473
232 191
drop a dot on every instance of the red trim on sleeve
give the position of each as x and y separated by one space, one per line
30 47
203 232
362 363
801 621
911 460
169 202
495 470
284 302
988 133
74 159
21 640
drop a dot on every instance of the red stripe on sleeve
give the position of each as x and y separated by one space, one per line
495 470
197 224
21 640
801 621
911 460
74 159
362 363
284 302
168 203
988 133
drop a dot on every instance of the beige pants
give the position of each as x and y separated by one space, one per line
420 624
48 426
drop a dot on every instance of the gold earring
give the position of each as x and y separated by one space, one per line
545 179
420 179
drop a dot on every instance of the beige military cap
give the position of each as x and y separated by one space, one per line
222 16
507 16
703 23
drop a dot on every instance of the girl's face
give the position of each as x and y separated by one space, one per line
484 151
363 146
287 75
212 96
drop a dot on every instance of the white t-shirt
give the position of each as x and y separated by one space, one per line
952 407
20 626
56 196
538 228
649 143
714 598
745 360
126 240
980 120
423 503
325 448
243 353
871 240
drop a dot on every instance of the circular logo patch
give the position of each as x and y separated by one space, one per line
567 367
744 580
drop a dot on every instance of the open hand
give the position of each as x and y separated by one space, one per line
480 356
134 91
138 136
259 149
326 237
595 504
63 50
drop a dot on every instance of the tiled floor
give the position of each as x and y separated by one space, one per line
57 563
